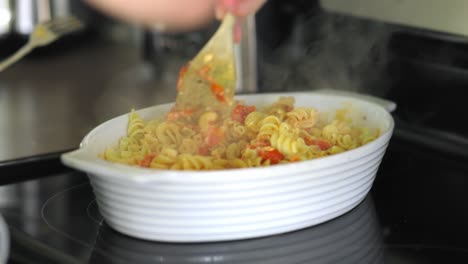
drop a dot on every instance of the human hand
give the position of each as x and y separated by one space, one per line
175 15
239 8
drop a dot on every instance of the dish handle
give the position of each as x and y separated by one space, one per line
76 158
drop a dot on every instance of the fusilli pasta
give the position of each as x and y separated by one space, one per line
279 133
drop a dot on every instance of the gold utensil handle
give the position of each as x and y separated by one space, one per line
23 51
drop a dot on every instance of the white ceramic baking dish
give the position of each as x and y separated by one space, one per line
203 206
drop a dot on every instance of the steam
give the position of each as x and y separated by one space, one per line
334 52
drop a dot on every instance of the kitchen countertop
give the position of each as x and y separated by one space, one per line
48 102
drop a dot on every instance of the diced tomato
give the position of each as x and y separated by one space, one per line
214 135
176 114
295 158
260 143
309 130
146 161
182 73
216 89
240 112
271 154
218 92
249 109
203 150
237 113
203 72
321 143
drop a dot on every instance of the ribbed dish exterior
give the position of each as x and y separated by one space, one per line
352 238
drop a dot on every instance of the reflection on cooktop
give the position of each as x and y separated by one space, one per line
4 241
353 238
68 221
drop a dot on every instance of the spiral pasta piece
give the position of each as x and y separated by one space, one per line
302 117
206 119
188 146
253 121
193 162
234 130
288 144
150 143
164 160
268 126
233 151
135 125
169 134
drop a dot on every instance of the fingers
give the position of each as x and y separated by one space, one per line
237 32
247 7
237 7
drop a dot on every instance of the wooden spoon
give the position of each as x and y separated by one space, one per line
207 82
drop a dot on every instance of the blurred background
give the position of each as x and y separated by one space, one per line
414 52
410 51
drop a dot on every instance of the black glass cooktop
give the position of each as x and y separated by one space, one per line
416 213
